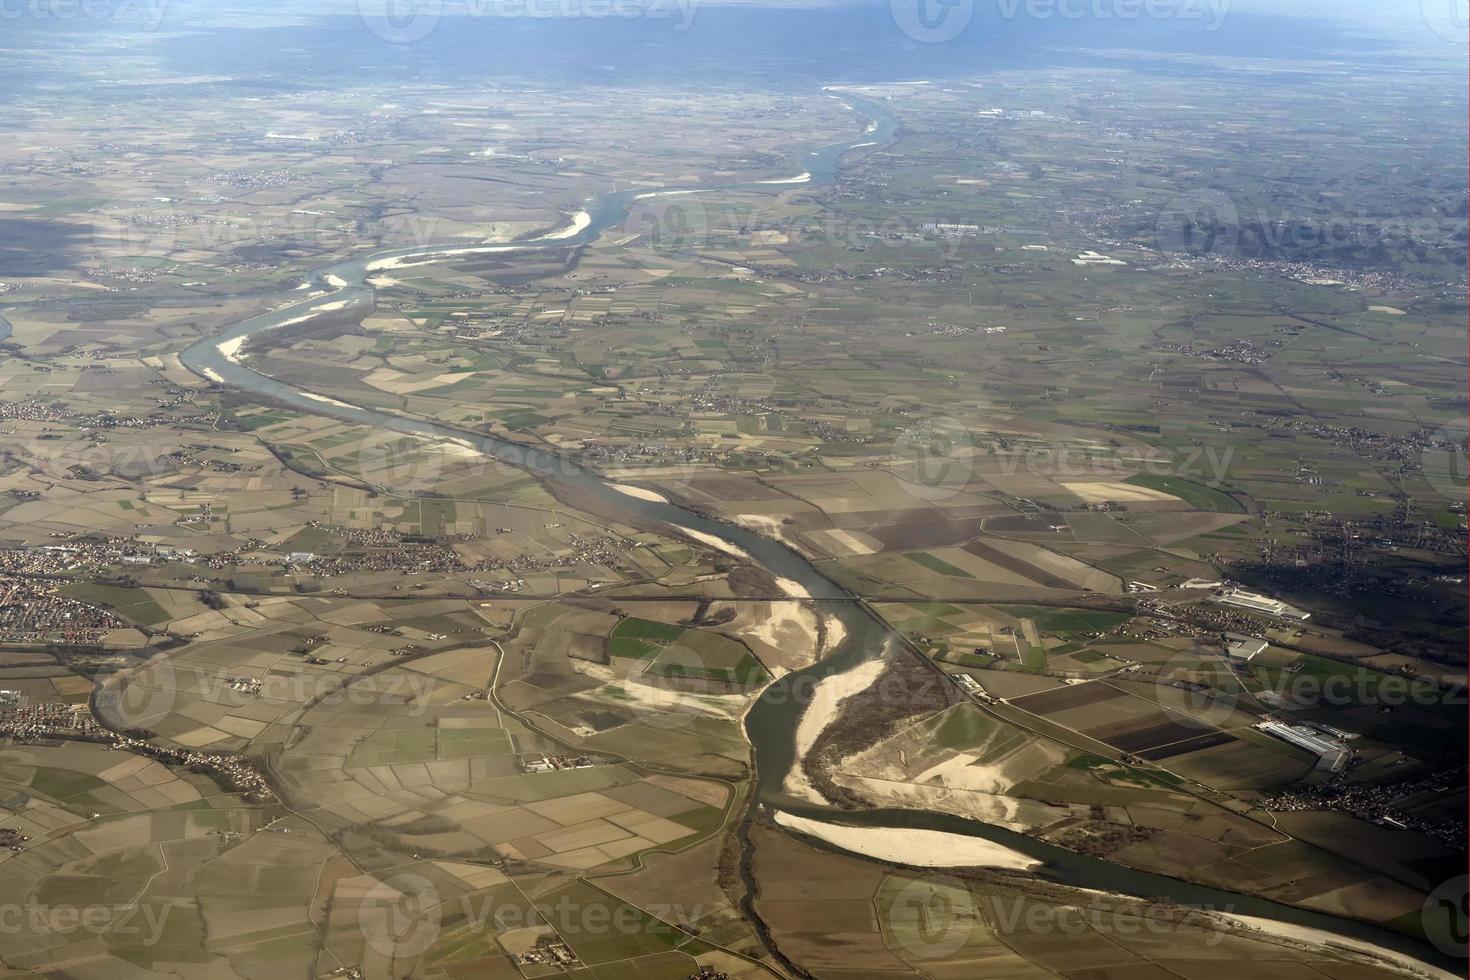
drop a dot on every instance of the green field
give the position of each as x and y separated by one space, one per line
646 629
1067 621
938 565
134 604
1196 495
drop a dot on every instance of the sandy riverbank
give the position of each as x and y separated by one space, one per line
801 178
580 222
826 699
231 349
790 626
668 193
324 399
836 633
428 258
719 544
1308 936
639 492
793 588
918 848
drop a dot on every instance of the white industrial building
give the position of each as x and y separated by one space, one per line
1246 649
1331 754
1256 602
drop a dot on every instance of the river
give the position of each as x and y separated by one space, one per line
772 720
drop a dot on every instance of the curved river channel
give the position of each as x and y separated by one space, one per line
772 721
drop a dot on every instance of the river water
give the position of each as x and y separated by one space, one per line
772 721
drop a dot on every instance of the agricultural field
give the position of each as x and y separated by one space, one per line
900 923
926 436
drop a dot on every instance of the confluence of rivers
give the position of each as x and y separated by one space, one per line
771 722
